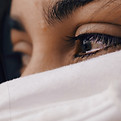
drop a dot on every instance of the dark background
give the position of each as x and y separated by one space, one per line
10 62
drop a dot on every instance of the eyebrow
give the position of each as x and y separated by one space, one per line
63 8
15 24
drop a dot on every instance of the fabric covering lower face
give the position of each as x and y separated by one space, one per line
87 91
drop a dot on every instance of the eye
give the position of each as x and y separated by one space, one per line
22 44
25 49
95 44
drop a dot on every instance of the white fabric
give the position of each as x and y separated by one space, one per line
87 91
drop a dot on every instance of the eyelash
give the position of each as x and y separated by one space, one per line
90 38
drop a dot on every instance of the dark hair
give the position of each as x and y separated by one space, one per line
4 11
4 8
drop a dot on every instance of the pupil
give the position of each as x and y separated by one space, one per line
86 46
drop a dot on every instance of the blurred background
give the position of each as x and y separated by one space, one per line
10 62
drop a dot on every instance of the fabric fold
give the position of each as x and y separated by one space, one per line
86 91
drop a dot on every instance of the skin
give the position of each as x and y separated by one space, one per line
44 46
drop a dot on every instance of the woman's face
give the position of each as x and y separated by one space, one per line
54 33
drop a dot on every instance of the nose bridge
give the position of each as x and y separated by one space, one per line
41 62
45 53
34 19
43 58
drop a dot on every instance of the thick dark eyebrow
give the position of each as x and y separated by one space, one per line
15 24
63 8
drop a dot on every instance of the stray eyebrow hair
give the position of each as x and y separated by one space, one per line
15 24
63 8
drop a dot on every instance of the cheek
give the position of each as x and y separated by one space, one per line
47 58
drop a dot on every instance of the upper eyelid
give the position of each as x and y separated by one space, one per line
23 47
100 27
